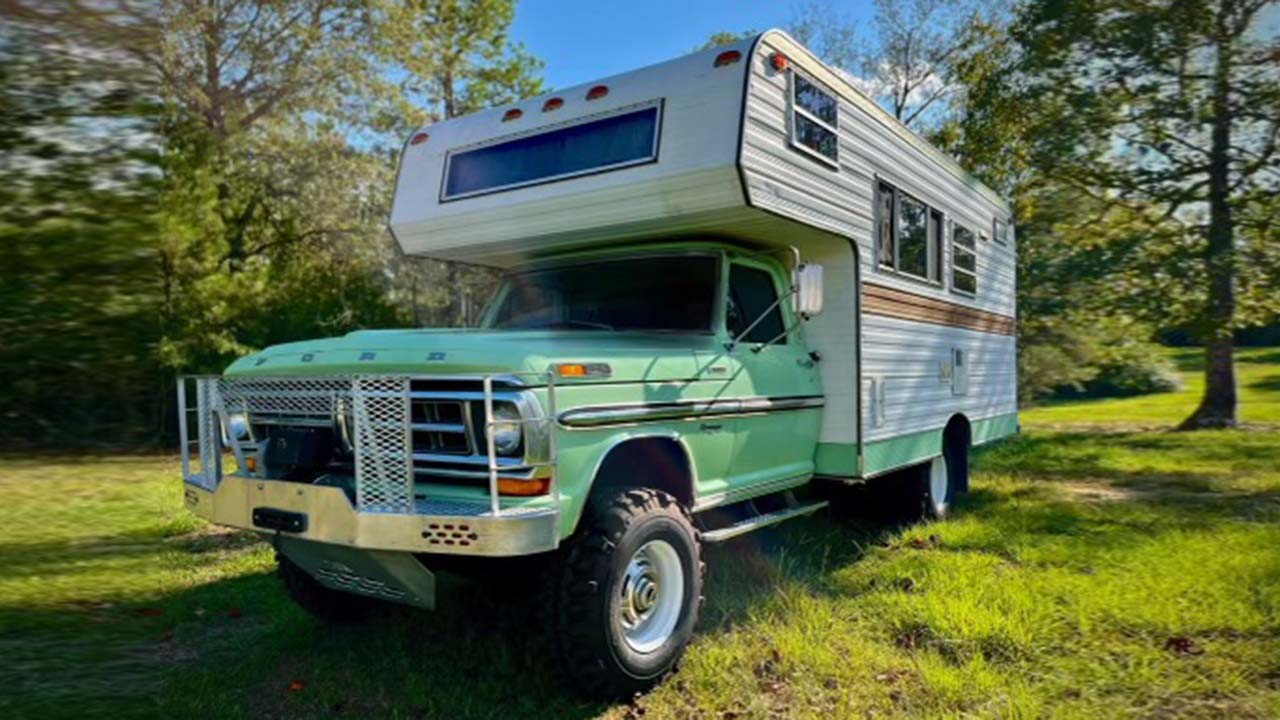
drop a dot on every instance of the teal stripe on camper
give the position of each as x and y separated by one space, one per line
884 455
904 450
985 431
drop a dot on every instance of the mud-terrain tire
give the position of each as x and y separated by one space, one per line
330 606
609 594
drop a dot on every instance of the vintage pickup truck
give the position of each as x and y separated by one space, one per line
726 277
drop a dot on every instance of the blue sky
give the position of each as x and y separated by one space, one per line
581 40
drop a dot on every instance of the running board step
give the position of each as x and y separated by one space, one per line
773 518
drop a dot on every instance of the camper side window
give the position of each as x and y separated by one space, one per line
814 119
910 235
888 248
1001 232
964 261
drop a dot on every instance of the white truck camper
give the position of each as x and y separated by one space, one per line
762 143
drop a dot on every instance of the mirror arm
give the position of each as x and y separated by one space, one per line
785 333
734 342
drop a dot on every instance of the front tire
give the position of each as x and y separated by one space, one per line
625 596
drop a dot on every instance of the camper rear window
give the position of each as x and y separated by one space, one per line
606 144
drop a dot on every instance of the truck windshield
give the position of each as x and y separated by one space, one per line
655 294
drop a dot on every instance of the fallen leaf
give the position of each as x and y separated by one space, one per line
1183 645
297 686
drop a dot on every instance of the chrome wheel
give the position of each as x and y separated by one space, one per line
651 594
938 485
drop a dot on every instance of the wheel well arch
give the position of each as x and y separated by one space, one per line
957 438
661 462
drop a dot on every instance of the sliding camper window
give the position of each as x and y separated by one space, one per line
909 235
964 261
814 119
617 141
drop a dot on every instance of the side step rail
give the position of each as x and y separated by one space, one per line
742 527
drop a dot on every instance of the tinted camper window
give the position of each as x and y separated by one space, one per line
606 144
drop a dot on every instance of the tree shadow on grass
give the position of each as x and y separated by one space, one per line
1269 383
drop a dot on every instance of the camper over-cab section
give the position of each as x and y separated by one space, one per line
760 142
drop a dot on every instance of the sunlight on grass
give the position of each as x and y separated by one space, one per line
1094 571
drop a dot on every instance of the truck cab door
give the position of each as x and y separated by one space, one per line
773 373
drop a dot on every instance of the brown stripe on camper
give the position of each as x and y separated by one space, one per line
881 300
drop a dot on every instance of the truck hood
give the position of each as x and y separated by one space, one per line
634 357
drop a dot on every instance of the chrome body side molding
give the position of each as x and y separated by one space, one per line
595 416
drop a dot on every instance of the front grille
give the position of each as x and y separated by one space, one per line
442 426
445 419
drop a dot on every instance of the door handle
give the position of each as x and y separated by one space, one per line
711 427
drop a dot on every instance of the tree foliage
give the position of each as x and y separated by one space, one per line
195 179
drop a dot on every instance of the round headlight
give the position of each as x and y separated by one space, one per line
238 429
506 430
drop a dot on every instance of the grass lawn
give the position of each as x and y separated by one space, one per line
1102 567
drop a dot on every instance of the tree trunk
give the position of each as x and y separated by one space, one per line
1218 406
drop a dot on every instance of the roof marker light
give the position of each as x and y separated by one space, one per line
597 92
418 139
512 114
552 104
728 57
779 61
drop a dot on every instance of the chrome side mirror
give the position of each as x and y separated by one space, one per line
809 290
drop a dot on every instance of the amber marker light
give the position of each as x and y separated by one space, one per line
583 370
597 92
728 57
779 62
524 487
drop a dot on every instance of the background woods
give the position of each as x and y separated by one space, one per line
189 180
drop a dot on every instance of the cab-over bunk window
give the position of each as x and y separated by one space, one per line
815 119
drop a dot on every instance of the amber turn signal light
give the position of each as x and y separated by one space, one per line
524 487
583 370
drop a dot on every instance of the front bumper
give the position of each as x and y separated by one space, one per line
442 527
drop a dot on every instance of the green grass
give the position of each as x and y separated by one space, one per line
1100 568
1257 380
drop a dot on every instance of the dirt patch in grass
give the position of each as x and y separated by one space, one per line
214 538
